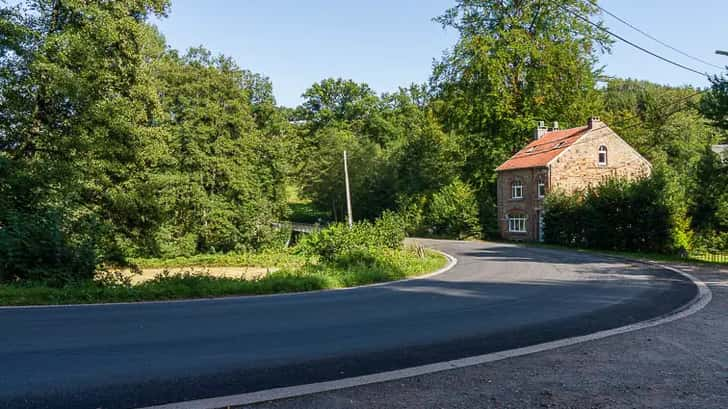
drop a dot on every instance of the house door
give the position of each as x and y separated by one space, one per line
540 225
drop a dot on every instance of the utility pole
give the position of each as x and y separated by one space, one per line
348 193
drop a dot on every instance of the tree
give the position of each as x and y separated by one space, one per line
715 103
224 182
515 62
78 103
338 101
661 122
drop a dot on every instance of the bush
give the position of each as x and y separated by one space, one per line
453 211
646 215
49 246
339 240
411 210
712 241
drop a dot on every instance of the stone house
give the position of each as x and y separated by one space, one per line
721 151
566 160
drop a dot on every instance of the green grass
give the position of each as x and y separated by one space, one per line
383 266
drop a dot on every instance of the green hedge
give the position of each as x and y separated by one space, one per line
647 216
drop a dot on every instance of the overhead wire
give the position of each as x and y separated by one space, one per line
637 46
625 22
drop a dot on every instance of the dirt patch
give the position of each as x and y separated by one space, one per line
243 272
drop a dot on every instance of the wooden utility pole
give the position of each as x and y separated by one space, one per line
348 193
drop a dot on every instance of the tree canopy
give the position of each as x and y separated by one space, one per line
114 145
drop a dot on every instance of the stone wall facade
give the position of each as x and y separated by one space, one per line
576 168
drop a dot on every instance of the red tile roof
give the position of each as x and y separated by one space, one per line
540 152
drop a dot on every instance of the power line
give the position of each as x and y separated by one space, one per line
668 114
656 39
667 60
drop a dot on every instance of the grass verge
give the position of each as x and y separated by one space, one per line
296 275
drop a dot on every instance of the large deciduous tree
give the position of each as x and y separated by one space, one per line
515 62
77 102
223 183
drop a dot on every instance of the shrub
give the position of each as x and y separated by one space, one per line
339 240
411 210
49 246
712 241
175 244
453 211
387 231
646 215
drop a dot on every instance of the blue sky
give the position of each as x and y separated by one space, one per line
393 43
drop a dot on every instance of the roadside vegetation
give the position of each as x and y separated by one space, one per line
379 266
335 257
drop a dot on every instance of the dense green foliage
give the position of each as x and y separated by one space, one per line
710 208
114 146
647 215
77 100
340 242
451 211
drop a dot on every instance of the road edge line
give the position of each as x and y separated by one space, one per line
701 299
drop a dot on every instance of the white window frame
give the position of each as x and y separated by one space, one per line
602 150
517 223
541 189
517 189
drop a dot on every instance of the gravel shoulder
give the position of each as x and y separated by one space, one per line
682 364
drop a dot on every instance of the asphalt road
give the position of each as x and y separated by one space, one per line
497 297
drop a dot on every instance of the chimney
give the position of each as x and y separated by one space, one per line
594 122
540 130
556 126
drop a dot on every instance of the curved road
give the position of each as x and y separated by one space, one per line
497 297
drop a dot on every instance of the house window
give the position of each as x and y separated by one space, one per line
541 188
517 223
517 189
602 155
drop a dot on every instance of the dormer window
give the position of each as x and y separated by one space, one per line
517 189
602 155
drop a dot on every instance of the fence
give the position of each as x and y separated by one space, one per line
710 255
299 227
